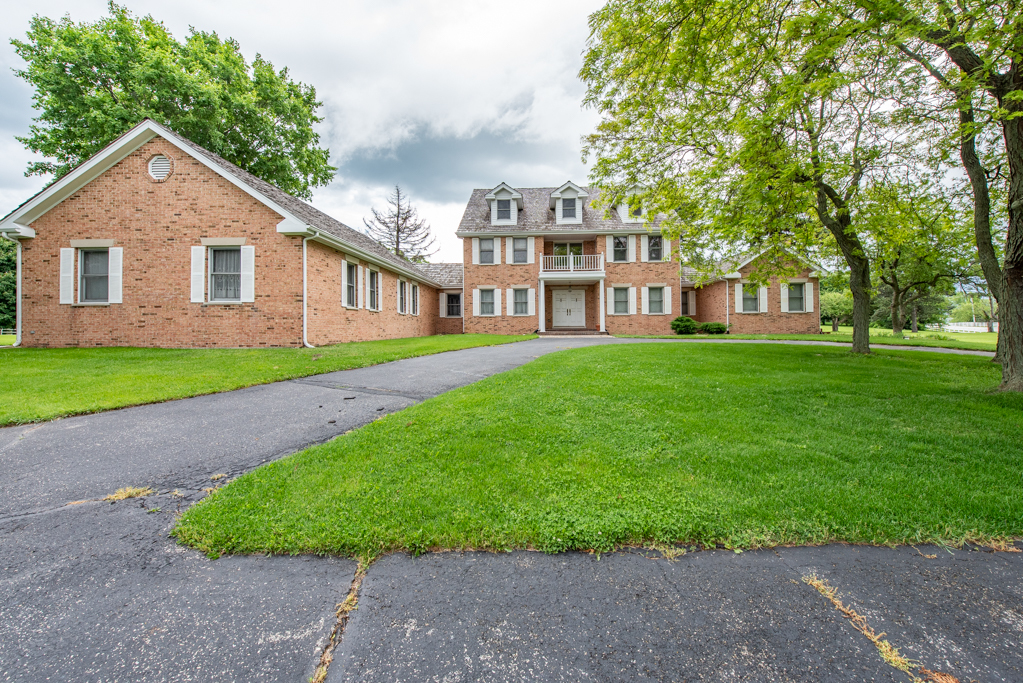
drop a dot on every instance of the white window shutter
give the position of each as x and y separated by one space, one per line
358 289
763 299
476 302
497 252
667 300
808 297
510 302
248 278
609 252
632 301
644 248
497 301
530 248
665 249
115 278
531 299
67 276
784 298
509 247
442 298
610 301
475 250
645 299
692 303
738 297
632 248
198 275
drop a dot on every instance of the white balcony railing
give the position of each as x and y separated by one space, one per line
571 264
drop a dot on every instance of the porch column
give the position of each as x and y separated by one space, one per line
603 306
543 308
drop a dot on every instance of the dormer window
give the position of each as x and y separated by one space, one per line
636 212
567 203
568 207
505 204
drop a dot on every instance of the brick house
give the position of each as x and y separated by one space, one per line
542 259
155 241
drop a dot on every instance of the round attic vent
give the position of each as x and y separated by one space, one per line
159 167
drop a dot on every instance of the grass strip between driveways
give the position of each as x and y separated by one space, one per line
879 340
744 445
41 384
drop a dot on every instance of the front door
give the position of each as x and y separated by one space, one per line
569 308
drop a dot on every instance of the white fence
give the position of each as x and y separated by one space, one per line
587 262
968 327
4 330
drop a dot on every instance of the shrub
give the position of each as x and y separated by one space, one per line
684 325
713 328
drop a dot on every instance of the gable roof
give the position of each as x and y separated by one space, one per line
448 274
536 215
300 217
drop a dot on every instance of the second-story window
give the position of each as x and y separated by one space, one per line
520 247
621 248
487 250
504 209
655 248
568 207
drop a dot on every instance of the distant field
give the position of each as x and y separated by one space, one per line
7 339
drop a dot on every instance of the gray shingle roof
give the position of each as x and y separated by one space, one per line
307 212
536 214
447 274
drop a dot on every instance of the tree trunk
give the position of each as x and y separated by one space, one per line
898 322
859 283
1010 305
834 324
916 326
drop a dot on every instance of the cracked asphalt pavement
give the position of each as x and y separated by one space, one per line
96 591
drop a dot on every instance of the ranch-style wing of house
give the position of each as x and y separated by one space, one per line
155 241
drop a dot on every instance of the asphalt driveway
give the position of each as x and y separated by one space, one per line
95 591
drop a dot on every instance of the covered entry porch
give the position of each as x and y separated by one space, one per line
572 293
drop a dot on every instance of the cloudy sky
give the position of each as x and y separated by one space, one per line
438 96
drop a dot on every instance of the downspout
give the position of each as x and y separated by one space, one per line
728 306
17 290
305 296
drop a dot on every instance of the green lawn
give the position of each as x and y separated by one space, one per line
41 384
660 443
980 341
7 339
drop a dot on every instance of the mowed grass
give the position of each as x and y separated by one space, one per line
980 341
41 384
7 339
743 445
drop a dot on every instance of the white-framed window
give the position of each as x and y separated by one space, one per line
374 290
750 300
797 301
568 207
351 285
656 300
94 276
621 300
504 209
520 250
521 302
225 274
655 248
621 249
486 250
454 305
487 302
401 296
415 299
684 309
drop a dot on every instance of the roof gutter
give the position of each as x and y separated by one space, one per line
17 285
337 243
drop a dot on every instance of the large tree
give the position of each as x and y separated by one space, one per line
751 130
93 81
400 228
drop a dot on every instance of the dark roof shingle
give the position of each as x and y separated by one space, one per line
447 274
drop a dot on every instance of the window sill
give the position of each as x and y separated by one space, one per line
226 303
90 304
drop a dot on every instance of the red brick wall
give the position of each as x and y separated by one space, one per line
330 322
638 275
501 276
156 223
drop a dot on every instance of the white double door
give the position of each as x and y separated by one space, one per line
569 307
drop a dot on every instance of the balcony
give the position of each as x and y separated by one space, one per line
586 264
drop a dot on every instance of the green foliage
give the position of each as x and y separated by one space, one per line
712 327
541 457
41 384
683 325
94 81
836 306
8 282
